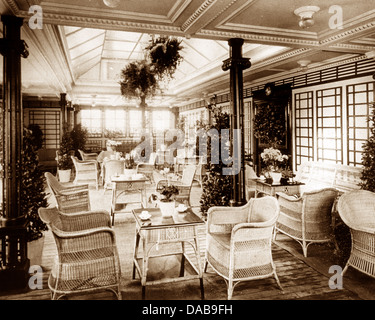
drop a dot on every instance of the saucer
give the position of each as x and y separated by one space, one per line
181 210
146 216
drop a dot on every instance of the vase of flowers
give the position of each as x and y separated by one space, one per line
167 201
274 162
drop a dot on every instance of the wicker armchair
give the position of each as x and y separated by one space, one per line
86 171
88 156
239 241
87 258
111 168
357 210
148 168
184 185
307 219
68 199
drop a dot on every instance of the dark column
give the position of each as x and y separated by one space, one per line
13 242
236 64
64 115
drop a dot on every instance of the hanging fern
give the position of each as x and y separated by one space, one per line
164 53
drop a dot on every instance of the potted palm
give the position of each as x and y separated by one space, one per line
33 193
167 200
64 161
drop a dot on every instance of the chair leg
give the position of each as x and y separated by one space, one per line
230 289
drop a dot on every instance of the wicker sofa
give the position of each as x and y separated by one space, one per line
317 175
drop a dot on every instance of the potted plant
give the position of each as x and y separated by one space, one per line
217 187
167 200
64 161
269 125
274 162
78 137
33 193
164 54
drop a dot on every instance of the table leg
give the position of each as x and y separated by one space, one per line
144 268
113 203
198 254
182 266
136 247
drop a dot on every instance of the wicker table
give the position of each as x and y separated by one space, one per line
180 228
271 189
122 185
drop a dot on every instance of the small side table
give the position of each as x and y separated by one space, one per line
272 189
122 185
180 228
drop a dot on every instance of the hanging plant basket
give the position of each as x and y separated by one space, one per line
138 80
164 54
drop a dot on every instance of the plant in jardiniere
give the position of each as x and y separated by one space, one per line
167 200
33 194
217 187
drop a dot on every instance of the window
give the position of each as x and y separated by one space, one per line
359 97
92 120
115 121
329 128
304 126
49 123
135 122
161 120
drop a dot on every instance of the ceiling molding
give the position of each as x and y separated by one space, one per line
96 23
197 14
178 9
13 6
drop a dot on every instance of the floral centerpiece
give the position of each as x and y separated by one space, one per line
129 161
274 162
167 201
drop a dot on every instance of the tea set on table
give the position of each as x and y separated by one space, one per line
145 215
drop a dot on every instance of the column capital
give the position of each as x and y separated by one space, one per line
242 63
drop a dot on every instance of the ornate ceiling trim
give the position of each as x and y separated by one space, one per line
349 33
198 13
257 38
267 30
87 22
13 6
178 9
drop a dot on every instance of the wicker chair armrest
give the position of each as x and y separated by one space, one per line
246 231
227 215
368 230
85 241
74 189
85 220
288 197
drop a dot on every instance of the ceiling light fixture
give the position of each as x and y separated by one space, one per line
303 64
111 3
306 15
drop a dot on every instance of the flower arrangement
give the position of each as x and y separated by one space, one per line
274 159
129 161
168 192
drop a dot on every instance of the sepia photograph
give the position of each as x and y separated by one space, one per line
187 156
